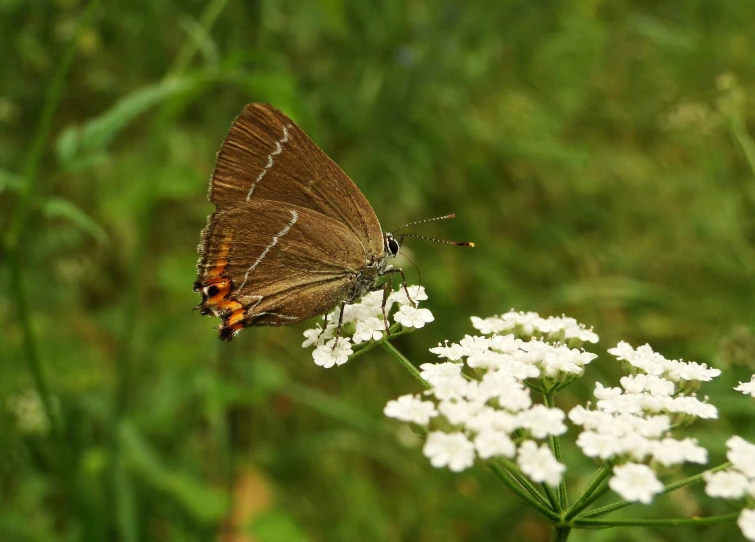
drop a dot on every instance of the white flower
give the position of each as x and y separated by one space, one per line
449 449
748 388
691 371
371 328
746 523
654 385
635 482
475 344
643 358
742 455
526 322
417 293
492 443
543 421
539 463
671 452
506 344
598 444
510 393
728 484
450 388
436 372
408 316
410 408
454 352
326 355
460 412
489 326
317 336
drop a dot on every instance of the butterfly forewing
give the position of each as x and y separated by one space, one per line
267 157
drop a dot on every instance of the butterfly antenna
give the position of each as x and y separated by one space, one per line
419 275
446 217
455 243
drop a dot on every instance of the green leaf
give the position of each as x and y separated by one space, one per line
97 133
61 208
205 504
276 526
12 182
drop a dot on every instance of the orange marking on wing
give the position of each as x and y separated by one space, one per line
234 318
227 304
218 284
238 326
222 259
223 286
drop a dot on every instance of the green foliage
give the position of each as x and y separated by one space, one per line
598 154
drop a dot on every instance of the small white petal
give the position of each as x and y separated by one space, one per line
748 388
493 443
728 484
449 449
539 463
635 482
410 408
326 355
408 316
746 522
742 455
369 329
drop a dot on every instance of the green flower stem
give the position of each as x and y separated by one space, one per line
555 444
398 356
52 101
511 469
18 292
552 499
31 173
210 14
672 522
739 130
669 488
591 493
538 504
561 534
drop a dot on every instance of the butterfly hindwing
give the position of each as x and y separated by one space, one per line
271 263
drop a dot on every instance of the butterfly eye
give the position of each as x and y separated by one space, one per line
392 246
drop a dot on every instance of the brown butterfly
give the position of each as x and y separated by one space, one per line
291 236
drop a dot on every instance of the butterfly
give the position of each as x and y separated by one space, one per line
291 236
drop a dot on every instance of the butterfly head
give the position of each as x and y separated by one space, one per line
392 245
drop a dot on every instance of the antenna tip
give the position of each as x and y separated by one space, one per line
470 244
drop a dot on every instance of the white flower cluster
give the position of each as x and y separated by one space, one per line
531 324
748 388
631 424
535 358
363 322
487 411
736 482
686 374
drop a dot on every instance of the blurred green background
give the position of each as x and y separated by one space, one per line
596 152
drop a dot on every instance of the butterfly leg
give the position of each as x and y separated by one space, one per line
340 322
403 279
324 325
386 292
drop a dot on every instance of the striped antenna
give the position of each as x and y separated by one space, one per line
455 243
446 217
